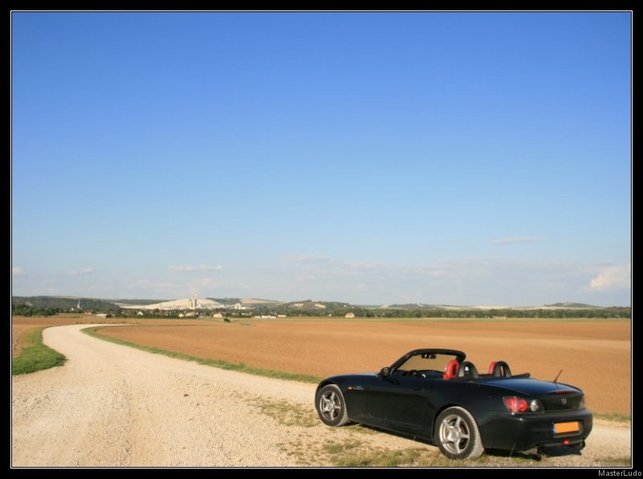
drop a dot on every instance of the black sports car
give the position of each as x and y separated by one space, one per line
436 396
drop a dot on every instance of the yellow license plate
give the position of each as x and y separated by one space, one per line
563 427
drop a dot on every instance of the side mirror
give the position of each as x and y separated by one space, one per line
385 372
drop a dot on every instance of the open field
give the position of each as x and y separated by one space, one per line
594 355
116 406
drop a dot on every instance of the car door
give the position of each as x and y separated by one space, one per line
398 403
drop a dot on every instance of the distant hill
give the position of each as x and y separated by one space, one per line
137 301
259 301
246 301
176 304
309 305
567 304
226 301
412 306
48 305
422 306
65 303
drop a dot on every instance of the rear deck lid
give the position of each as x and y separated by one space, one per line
534 388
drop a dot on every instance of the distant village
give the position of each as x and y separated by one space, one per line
252 308
194 307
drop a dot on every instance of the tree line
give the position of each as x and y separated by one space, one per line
24 308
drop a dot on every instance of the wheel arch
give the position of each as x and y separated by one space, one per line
447 406
326 382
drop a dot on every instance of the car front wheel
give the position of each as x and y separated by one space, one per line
331 406
457 434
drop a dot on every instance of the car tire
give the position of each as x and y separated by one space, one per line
457 435
330 405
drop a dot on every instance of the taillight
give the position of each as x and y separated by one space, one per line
536 406
515 404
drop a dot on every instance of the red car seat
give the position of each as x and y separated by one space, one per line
451 370
499 369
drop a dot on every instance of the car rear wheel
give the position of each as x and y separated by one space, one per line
331 406
457 434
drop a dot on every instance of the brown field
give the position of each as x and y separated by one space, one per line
594 354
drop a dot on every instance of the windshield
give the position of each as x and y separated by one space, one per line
427 362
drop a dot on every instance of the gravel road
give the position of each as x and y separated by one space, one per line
115 406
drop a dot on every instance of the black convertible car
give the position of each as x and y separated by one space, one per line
436 396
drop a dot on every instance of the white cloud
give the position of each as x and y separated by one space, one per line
362 266
486 280
307 259
517 239
612 277
17 271
76 272
192 269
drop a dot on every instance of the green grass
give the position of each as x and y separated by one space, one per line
35 356
354 453
613 416
616 461
286 413
217 363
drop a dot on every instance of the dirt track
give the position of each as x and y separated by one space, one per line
111 405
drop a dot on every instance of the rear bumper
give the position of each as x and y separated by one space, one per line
520 432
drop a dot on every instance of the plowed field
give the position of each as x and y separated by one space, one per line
593 354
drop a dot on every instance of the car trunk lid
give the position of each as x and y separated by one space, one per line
533 388
553 396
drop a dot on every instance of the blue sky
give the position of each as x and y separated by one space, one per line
375 158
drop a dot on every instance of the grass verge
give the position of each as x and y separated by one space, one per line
35 356
354 453
286 413
613 416
616 461
217 363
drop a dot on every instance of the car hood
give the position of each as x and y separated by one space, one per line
532 387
